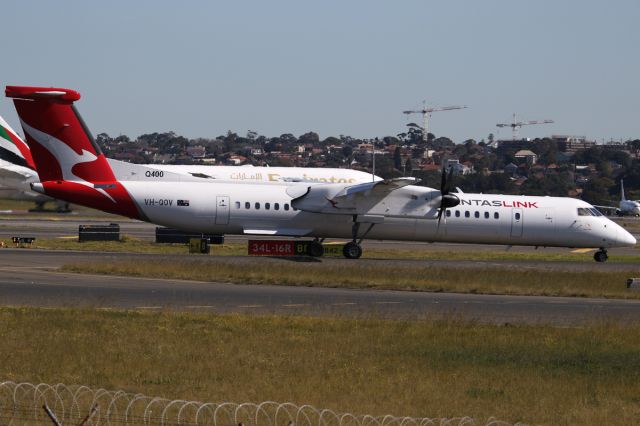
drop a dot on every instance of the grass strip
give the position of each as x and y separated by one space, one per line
444 368
389 276
129 244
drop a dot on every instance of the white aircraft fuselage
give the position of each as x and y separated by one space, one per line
629 207
408 213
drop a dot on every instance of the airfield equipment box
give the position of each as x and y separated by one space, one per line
23 241
109 232
169 235
199 245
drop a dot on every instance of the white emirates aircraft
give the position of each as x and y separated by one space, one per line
625 207
72 167
17 172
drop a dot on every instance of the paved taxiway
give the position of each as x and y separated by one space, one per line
28 277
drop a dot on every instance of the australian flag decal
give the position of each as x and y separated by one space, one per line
183 203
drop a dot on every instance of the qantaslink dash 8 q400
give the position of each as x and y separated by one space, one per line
72 167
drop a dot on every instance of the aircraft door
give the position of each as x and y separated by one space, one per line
516 222
222 210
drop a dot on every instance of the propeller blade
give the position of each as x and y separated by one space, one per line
443 180
449 179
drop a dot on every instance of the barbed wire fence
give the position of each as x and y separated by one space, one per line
44 404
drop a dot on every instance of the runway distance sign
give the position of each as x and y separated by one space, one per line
273 248
289 248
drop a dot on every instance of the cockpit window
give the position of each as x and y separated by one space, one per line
595 211
584 211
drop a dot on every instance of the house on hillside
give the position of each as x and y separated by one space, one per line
527 156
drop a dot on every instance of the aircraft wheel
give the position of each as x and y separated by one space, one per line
315 249
352 250
600 256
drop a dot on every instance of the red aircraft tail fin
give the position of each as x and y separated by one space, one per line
69 163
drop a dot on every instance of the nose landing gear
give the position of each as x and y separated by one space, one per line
601 255
352 250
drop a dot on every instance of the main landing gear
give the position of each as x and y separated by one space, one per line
352 249
601 255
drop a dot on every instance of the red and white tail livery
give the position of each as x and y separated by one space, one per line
65 154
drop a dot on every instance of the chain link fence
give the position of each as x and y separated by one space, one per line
44 404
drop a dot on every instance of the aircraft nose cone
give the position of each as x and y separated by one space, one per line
624 238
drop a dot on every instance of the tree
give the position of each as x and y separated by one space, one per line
408 167
104 141
347 151
634 146
546 149
596 191
384 167
309 137
390 140
443 142
397 158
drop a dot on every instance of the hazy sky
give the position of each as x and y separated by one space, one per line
201 68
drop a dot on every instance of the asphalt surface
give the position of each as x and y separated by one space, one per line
29 277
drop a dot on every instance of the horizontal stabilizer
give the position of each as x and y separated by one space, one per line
52 93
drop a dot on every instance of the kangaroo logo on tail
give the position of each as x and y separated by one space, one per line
70 164
67 157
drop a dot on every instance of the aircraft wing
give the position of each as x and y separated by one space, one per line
16 177
12 171
346 199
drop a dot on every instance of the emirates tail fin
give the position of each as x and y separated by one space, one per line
12 148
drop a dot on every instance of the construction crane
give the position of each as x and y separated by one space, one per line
426 114
515 125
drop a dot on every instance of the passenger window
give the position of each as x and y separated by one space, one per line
448 213
476 215
517 216
486 215
496 215
267 206
286 206
276 206
247 205
257 206
467 214
457 213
